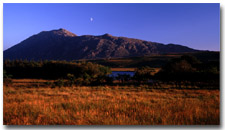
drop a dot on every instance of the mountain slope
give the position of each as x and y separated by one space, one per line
64 45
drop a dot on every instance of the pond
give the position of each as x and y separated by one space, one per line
115 73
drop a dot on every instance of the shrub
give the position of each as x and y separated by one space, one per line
84 73
78 81
71 79
59 82
144 74
7 79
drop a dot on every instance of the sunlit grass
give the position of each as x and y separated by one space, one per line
112 105
123 69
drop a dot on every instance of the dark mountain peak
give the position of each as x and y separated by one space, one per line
62 29
63 32
106 35
61 44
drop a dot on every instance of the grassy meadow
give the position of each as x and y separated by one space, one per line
30 102
164 90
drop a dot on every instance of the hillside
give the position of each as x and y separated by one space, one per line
155 61
64 45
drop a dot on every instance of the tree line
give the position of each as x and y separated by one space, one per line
184 71
85 73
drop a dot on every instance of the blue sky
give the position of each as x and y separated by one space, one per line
193 25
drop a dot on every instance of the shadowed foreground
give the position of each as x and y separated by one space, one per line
109 106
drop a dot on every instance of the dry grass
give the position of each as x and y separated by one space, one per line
133 69
123 69
31 80
110 106
156 70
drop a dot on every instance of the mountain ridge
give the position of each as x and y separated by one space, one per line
62 44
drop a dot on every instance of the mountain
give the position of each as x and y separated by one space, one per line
64 45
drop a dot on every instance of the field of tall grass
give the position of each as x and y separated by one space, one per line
108 105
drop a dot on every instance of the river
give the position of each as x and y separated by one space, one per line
115 73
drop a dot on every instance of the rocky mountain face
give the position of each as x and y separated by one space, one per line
64 45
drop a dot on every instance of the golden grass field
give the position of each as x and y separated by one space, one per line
108 105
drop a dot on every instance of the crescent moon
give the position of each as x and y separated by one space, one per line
91 19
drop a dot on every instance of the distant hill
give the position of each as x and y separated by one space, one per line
64 45
156 61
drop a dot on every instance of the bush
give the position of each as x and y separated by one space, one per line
59 82
144 74
79 81
7 79
109 80
187 70
123 77
84 73
71 79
